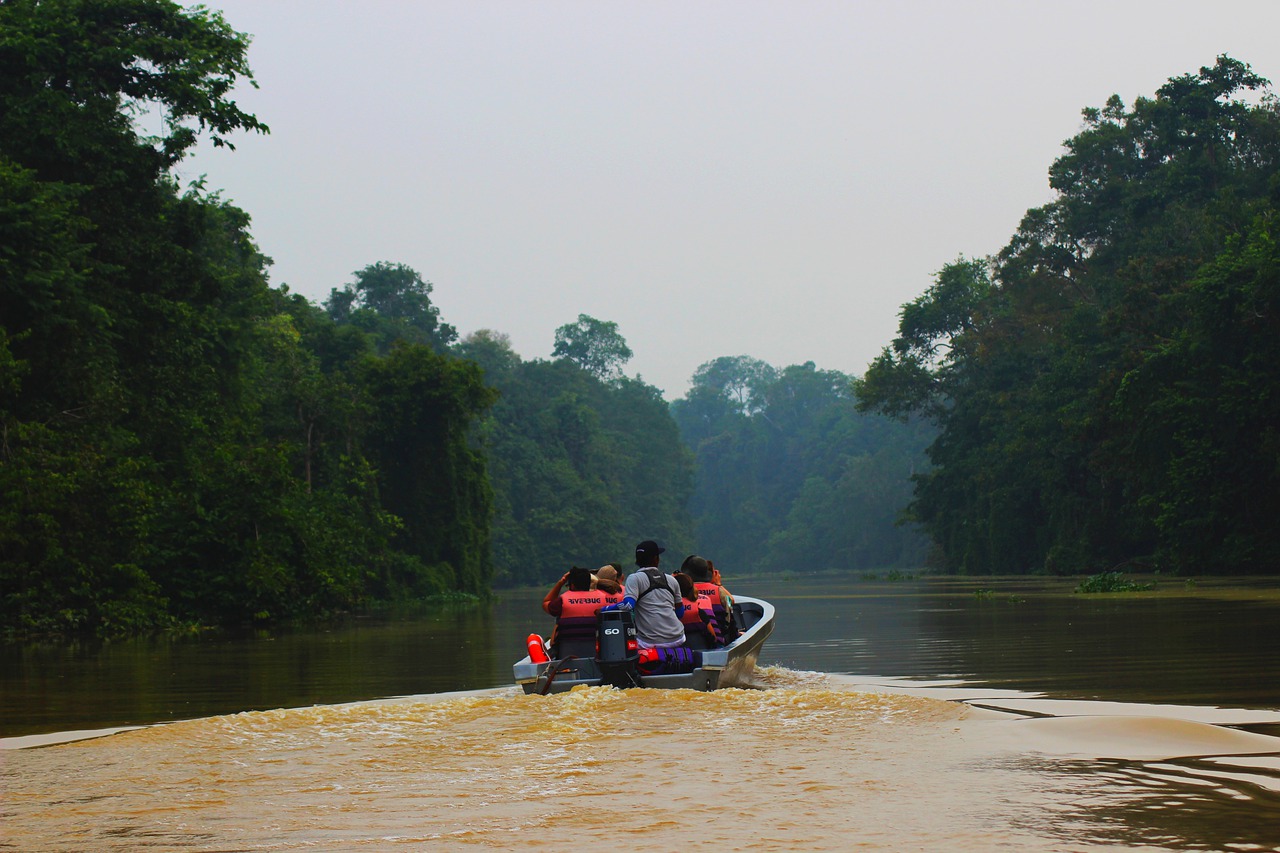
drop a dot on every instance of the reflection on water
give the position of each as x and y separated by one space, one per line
807 763
1179 804
1190 644
51 686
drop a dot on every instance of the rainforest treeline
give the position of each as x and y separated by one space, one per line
181 442
1107 386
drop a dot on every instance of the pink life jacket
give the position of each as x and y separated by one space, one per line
710 593
577 620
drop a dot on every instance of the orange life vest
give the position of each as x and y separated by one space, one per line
577 620
699 619
710 593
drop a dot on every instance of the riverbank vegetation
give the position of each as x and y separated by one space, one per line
1105 387
180 442
183 443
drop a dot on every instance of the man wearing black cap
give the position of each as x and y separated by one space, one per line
655 597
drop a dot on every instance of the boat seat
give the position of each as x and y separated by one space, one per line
746 615
697 640
584 648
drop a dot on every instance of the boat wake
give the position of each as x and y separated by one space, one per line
803 760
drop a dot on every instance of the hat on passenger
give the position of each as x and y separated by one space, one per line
607 579
649 548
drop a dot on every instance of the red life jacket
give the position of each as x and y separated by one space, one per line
710 593
578 611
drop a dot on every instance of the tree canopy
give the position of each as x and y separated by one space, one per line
1104 386
179 442
594 345
392 303
584 463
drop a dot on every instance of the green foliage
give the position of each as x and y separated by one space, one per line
582 468
910 375
1107 393
422 405
72 72
179 443
594 345
391 302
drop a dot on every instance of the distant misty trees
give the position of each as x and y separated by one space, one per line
790 476
584 461
760 468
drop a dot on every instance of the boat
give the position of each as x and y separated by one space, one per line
727 666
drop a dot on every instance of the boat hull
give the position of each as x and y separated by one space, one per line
729 666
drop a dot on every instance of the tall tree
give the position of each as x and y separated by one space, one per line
393 303
119 295
594 345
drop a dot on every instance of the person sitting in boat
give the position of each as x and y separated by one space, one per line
699 622
607 582
575 613
713 593
655 598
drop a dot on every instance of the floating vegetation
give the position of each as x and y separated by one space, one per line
1112 582
984 594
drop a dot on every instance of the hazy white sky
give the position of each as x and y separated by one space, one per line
719 178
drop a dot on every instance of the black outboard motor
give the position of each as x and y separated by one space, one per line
617 652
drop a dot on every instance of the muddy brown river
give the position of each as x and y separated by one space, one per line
912 715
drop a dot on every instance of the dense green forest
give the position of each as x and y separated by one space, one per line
179 442
1107 387
183 443
585 462
763 469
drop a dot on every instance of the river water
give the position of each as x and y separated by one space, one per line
907 715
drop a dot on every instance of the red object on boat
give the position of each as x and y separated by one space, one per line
537 651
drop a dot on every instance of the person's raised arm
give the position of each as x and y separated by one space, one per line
554 594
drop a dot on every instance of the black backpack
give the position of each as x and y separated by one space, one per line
658 580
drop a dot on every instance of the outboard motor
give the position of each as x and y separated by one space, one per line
617 652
